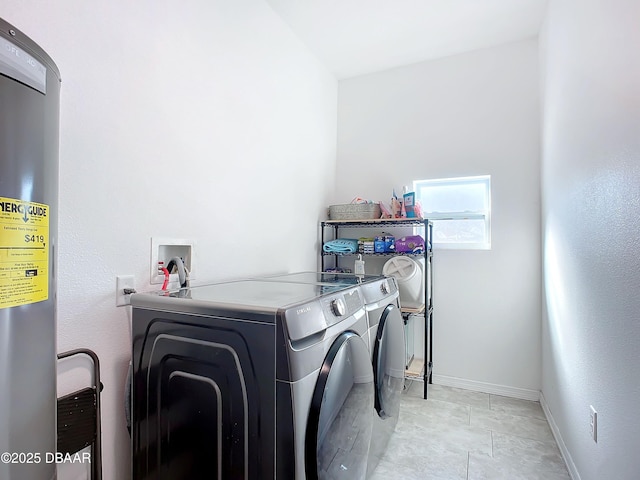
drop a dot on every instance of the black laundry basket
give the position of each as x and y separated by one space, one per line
79 417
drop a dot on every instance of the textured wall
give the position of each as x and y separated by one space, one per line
591 232
204 119
470 114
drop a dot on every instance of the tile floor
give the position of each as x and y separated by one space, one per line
463 435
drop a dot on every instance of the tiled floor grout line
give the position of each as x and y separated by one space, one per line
491 434
450 462
539 440
468 462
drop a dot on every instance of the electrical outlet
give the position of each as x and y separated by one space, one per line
594 423
123 282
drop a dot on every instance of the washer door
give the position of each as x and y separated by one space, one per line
341 413
388 362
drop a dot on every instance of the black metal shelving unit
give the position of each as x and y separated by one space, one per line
334 227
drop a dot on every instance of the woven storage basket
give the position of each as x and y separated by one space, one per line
354 211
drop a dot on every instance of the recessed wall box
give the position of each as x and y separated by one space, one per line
164 249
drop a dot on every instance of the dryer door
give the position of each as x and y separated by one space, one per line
341 413
388 362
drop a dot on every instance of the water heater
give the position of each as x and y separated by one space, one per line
29 132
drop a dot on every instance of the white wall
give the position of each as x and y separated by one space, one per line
204 119
470 114
591 225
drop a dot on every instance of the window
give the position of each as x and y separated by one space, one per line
460 209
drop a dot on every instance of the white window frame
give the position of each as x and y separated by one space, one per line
466 215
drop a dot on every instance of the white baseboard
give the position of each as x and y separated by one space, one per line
568 461
514 392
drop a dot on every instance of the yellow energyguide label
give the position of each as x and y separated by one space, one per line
24 252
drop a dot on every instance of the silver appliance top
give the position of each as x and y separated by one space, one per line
325 278
374 288
304 308
264 296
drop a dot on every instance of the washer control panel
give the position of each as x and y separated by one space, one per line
379 289
305 320
341 305
338 307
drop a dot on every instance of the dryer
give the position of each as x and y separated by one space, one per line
388 354
386 337
251 379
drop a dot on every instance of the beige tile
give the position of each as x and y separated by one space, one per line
533 453
389 470
440 431
525 427
461 435
516 406
435 410
459 395
483 467
427 457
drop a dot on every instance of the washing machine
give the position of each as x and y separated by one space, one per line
251 379
386 338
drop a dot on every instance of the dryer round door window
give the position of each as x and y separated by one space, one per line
388 362
340 417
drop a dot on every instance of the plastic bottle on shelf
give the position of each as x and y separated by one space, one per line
358 267
408 202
